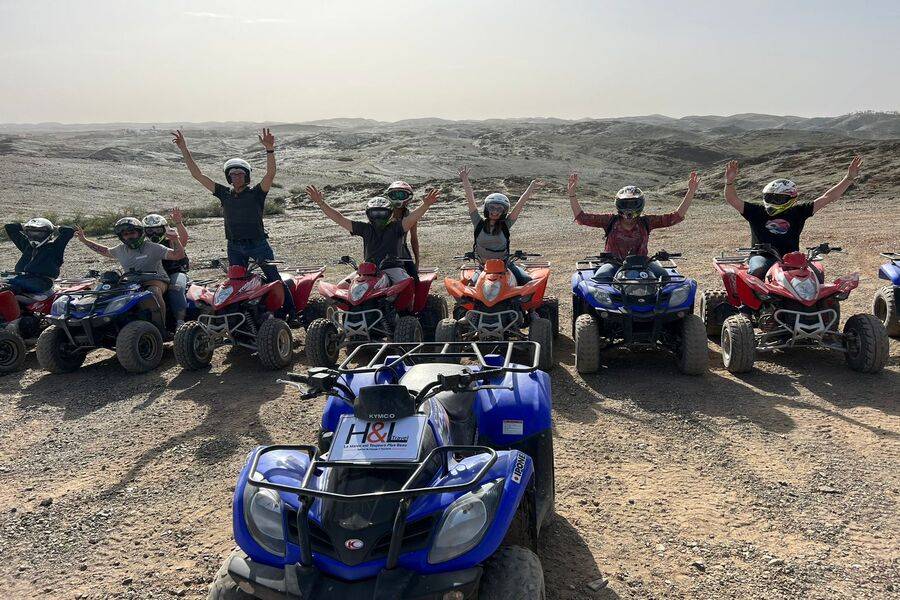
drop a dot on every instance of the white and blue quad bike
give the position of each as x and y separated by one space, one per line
887 299
431 479
636 309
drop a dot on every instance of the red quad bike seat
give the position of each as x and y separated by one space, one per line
367 268
237 272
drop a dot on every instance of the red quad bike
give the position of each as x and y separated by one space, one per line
245 310
792 307
22 317
365 307
497 308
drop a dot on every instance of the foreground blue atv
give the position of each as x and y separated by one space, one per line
431 478
116 314
636 309
887 299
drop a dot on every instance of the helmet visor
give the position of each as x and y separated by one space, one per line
155 233
37 235
777 199
399 195
378 214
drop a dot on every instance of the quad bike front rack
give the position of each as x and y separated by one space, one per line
388 355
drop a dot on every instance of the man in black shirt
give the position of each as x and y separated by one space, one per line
779 220
382 236
42 246
243 207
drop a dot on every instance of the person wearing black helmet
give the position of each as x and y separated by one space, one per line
628 229
243 207
779 220
42 246
155 227
400 193
492 229
381 235
137 253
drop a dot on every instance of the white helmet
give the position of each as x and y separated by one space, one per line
779 195
630 201
155 226
496 199
237 163
38 231
379 210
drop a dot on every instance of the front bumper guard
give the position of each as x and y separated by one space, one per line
804 329
230 327
490 325
355 325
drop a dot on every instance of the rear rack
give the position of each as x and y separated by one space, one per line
388 355
307 495
892 256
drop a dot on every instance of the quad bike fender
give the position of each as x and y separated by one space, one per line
845 283
456 288
274 298
891 272
741 286
423 286
9 307
536 288
303 286
507 416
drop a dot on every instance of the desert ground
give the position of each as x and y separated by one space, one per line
782 483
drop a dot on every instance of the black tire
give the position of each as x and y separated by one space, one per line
139 347
323 343
884 306
867 343
192 346
710 301
512 573
738 344
316 308
224 587
53 354
435 311
408 330
447 331
587 344
274 344
12 351
541 331
693 352
550 310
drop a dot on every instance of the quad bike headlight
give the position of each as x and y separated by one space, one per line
491 289
59 306
805 288
465 522
601 296
222 294
262 513
117 304
680 295
358 291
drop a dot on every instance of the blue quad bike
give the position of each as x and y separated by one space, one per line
636 310
887 299
431 479
117 314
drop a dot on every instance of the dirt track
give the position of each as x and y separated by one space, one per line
779 484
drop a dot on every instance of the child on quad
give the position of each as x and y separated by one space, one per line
400 193
155 227
381 234
779 221
137 253
628 230
42 246
492 230
243 207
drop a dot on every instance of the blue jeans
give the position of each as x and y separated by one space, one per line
518 272
175 295
241 251
760 264
30 284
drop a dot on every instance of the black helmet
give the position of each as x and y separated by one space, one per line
630 201
127 224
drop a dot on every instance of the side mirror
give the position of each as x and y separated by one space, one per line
215 264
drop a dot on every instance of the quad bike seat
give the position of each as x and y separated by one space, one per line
457 404
288 280
36 297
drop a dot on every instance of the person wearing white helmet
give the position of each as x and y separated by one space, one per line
400 193
779 220
382 236
137 253
628 229
243 207
43 246
492 237
155 227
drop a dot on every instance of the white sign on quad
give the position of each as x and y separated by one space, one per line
378 441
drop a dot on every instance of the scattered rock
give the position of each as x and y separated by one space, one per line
775 562
46 502
699 565
598 584
825 489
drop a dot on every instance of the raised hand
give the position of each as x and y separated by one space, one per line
731 171
178 139
853 169
171 234
573 183
693 182
430 197
79 232
463 174
176 215
536 184
315 194
267 139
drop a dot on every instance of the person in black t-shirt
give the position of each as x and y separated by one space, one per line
243 207
779 220
382 236
400 193
42 245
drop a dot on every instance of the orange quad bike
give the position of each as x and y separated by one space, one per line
494 307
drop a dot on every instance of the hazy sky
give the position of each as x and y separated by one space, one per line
295 60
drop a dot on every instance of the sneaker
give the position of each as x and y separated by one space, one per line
178 324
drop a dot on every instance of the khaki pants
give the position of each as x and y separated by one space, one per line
158 289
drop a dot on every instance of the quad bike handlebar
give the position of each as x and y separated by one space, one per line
511 258
892 256
346 260
253 264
